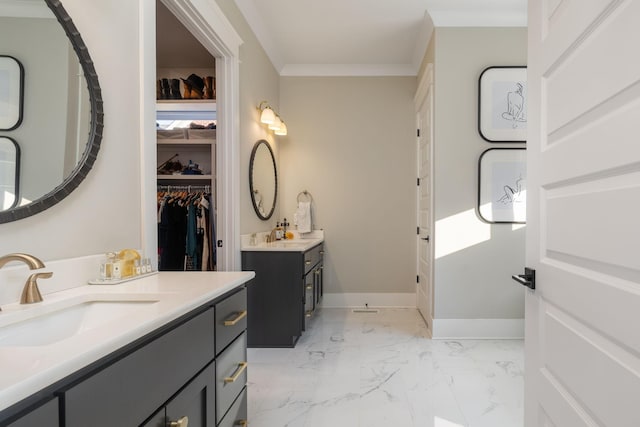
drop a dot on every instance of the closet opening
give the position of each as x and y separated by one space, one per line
189 232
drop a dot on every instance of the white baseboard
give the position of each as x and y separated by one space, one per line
478 328
379 300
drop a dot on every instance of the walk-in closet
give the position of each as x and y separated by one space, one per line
186 125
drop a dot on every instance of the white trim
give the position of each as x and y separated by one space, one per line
148 151
359 300
474 17
228 164
425 83
347 70
208 24
478 328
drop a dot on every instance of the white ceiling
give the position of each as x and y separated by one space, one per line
364 37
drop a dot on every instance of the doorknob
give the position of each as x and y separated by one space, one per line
527 279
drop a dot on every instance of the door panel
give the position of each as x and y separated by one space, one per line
569 231
572 17
424 291
600 57
583 233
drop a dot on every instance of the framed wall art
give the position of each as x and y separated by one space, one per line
11 92
502 104
9 173
502 185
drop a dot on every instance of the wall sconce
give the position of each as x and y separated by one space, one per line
270 118
282 130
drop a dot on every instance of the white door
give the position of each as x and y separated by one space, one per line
582 341
424 103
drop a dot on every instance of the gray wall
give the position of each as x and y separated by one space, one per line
474 260
351 144
259 81
104 212
42 47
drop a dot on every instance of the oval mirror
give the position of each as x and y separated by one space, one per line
263 179
62 119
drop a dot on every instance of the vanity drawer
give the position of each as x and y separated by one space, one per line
308 296
231 375
312 257
127 391
238 412
231 319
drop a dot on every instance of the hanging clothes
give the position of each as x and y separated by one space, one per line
184 228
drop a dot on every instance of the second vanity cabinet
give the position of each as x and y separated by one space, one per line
285 294
192 370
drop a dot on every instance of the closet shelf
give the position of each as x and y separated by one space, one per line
183 177
186 105
204 141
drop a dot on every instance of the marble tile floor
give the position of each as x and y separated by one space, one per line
382 370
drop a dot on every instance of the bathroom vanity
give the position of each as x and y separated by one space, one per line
152 352
286 291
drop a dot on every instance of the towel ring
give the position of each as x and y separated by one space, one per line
304 194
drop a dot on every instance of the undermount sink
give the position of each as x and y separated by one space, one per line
286 244
38 328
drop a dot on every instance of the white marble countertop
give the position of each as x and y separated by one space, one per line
294 245
25 370
300 243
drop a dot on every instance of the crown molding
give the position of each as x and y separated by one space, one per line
478 18
347 70
439 14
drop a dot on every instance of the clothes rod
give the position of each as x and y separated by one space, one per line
187 188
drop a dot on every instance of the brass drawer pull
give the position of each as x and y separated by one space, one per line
241 315
308 314
307 261
182 422
242 423
309 287
321 252
241 368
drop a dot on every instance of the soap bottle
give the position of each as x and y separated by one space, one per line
116 269
278 231
106 266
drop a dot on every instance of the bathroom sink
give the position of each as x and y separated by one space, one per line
31 328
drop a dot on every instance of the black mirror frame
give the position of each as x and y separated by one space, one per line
95 131
275 173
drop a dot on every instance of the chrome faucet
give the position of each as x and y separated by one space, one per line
30 293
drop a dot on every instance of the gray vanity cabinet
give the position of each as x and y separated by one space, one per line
193 367
45 415
196 403
284 295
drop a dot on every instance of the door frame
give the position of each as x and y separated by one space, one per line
208 24
425 86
